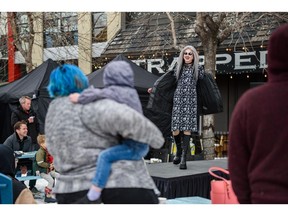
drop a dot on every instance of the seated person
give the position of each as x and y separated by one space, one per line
20 141
45 166
21 194
23 171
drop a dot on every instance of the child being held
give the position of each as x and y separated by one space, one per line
119 86
45 166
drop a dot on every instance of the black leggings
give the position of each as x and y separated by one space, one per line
114 196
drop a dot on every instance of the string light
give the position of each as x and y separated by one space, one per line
166 57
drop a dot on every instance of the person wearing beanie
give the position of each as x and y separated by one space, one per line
118 82
258 134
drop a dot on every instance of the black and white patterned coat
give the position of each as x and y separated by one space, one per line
184 112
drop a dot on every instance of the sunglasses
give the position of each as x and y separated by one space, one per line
188 53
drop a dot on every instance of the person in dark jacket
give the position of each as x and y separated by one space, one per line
25 112
21 194
119 86
257 157
160 102
20 141
184 120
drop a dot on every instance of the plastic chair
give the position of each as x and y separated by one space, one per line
6 193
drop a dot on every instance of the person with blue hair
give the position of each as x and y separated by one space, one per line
66 79
77 133
119 86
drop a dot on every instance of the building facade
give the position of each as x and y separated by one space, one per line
241 61
71 37
90 40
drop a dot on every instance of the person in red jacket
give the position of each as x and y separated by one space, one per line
258 133
46 167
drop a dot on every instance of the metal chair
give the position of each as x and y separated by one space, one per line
6 193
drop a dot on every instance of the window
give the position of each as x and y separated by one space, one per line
61 29
99 27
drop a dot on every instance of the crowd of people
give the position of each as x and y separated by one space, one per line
95 139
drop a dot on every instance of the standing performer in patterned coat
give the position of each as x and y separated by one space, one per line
184 112
184 120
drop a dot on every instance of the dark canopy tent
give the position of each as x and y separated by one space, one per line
142 79
33 85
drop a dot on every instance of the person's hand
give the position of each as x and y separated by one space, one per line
31 119
149 90
74 97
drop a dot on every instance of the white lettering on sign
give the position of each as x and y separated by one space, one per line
263 59
241 58
226 58
242 61
155 63
173 64
138 62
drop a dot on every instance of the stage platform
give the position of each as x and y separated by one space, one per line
195 181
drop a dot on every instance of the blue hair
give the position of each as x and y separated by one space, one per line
67 79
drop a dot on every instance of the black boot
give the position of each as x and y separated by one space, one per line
186 140
177 139
48 196
49 199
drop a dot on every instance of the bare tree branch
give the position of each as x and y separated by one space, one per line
173 30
